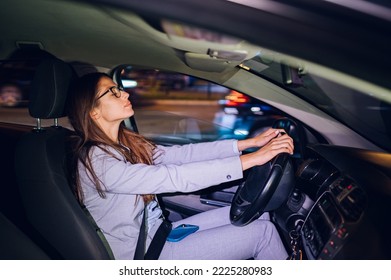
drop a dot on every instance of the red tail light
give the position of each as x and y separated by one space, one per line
235 98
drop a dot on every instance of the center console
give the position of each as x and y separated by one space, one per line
332 219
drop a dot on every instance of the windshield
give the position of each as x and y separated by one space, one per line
361 111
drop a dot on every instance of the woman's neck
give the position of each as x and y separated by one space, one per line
111 131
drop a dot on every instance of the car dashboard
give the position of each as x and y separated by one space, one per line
350 198
339 207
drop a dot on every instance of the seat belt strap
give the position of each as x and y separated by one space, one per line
140 247
158 241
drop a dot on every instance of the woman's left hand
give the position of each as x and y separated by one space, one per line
265 137
278 145
261 139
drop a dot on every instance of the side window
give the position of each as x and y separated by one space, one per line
15 79
176 108
16 75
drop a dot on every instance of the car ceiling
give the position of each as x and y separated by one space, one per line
317 31
351 39
73 31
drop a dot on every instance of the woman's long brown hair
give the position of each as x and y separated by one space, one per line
134 147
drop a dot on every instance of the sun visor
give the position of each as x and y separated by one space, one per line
205 62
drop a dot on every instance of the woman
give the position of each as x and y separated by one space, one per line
119 172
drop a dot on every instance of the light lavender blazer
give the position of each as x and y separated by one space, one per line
185 168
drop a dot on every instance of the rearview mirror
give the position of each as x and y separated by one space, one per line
291 76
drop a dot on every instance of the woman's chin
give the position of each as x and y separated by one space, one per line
131 112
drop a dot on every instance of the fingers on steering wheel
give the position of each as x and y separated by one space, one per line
285 137
285 145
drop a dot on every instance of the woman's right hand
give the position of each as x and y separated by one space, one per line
278 145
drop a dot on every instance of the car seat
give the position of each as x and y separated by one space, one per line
41 168
15 245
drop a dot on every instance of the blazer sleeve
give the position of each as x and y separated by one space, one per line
119 176
196 152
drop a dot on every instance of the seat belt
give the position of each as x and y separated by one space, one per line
140 247
157 243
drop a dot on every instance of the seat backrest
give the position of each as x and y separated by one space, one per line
16 245
41 168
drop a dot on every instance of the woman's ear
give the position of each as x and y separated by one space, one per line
94 114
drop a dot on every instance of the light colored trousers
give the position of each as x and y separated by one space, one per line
218 239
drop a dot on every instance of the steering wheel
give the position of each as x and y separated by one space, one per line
265 189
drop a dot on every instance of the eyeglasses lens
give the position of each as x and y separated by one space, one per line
116 91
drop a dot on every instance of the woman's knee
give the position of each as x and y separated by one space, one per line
265 227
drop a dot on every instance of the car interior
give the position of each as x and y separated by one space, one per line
331 199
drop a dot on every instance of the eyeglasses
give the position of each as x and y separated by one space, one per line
115 90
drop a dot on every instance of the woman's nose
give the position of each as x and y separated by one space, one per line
125 94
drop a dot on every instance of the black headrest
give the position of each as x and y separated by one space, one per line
49 89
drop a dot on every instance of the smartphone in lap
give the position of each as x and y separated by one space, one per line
181 232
